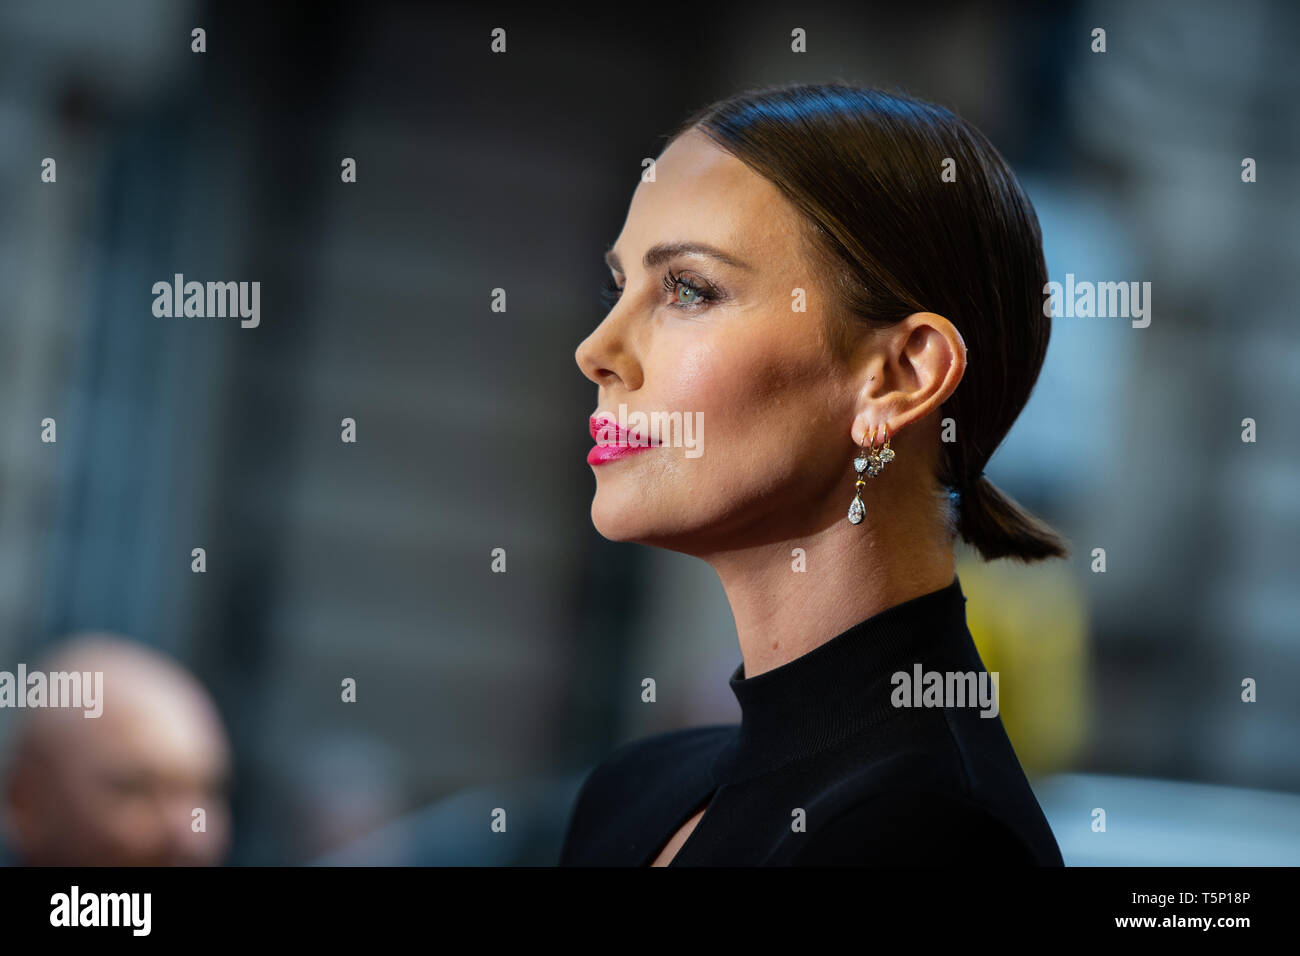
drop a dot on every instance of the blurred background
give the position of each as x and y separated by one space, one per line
478 690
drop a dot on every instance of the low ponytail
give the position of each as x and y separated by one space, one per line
998 527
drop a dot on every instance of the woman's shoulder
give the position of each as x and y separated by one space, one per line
637 763
642 782
907 827
919 807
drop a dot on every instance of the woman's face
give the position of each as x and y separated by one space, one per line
721 344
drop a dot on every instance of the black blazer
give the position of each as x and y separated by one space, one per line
827 766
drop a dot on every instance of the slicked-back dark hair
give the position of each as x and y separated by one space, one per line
864 167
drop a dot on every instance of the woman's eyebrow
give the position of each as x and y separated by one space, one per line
658 254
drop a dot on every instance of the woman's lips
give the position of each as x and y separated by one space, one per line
613 442
600 454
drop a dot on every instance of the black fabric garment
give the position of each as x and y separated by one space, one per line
878 784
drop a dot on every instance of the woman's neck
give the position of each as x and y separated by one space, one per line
850 572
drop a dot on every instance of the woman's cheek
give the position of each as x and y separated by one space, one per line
706 374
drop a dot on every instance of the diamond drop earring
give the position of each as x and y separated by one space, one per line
863 461
870 462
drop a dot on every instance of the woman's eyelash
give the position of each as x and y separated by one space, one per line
610 293
672 280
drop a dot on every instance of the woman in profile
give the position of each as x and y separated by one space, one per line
846 286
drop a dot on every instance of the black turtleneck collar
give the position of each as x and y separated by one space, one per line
839 688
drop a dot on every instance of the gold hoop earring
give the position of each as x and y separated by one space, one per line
886 454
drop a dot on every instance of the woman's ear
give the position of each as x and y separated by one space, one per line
917 363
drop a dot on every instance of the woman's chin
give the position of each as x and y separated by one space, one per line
630 520
618 523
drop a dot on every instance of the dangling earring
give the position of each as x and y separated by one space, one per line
870 462
857 510
886 454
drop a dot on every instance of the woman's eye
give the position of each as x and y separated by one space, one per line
689 290
679 286
609 294
685 292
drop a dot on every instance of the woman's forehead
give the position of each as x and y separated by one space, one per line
703 192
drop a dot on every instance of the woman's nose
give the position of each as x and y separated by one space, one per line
603 356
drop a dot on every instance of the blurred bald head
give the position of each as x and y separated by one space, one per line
120 789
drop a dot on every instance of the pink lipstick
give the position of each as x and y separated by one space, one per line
614 442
